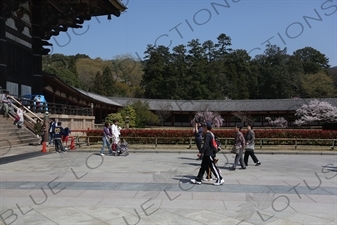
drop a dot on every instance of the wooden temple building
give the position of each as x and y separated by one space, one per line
26 27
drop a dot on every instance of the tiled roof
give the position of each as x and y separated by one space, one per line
100 98
225 105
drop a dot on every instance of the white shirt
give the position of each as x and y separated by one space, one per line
19 112
114 130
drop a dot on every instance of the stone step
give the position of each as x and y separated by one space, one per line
11 136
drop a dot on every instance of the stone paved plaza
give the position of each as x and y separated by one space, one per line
154 188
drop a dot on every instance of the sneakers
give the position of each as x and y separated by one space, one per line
101 154
217 183
194 181
205 179
258 163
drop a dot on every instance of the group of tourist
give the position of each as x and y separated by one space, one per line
6 106
244 144
57 135
111 132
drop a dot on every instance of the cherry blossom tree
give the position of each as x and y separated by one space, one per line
316 111
278 122
204 116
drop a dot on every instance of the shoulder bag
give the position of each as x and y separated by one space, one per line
235 149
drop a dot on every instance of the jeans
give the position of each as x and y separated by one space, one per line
51 138
58 145
238 157
19 123
106 142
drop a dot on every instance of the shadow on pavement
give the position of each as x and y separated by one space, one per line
14 158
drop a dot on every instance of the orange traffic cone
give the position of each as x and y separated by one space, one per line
44 147
72 143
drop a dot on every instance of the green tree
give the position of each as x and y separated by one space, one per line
115 116
131 113
62 66
274 79
155 72
197 82
318 85
108 82
296 71
99 84
312 60
143 114
238 72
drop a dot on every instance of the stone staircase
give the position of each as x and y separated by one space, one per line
11 136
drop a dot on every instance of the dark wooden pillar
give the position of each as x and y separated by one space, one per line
37 48
3 63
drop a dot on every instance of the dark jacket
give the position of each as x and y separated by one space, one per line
250 137
207 149
198 135
58 132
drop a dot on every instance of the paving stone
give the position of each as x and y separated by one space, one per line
156 187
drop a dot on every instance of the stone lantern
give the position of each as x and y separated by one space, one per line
127 122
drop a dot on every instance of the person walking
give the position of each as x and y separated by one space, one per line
198 130
106 139
52 125
115 134
39 129
20 112
239 141
208 157
38 102
250 146
65 136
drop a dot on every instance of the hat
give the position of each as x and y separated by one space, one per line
208 125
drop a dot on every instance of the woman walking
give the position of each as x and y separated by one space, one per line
250 146
240 143
106 139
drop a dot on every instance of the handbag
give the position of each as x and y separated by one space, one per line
250 147
235 149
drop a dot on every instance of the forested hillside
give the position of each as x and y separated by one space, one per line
201 71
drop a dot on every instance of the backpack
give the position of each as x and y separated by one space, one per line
216 145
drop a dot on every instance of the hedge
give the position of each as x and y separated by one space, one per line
223 133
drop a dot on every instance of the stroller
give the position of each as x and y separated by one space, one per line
121 149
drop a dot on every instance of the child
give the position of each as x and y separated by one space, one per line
122 149
20 119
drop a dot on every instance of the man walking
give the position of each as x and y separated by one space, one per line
208 157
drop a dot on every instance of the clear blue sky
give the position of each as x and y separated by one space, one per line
293 24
